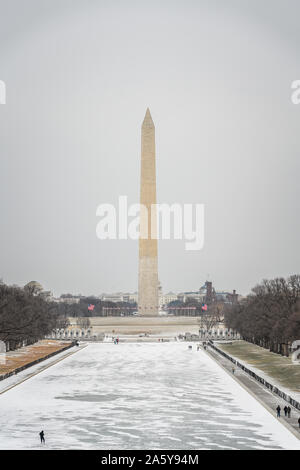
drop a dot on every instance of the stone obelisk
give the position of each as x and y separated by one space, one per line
148 274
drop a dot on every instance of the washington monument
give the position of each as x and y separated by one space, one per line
148 275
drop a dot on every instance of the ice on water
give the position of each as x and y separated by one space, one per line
137 396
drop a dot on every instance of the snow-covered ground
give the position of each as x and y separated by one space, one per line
137 396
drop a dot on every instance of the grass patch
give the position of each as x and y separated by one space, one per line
275 366
20 357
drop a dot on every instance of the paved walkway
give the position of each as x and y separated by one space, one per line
262 394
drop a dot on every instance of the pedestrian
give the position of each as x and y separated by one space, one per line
285 409
299 422
289 411
233 370
42 437
278 409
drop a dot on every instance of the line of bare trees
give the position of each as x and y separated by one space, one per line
270 315
26 317
211 318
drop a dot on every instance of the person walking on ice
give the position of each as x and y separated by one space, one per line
42 437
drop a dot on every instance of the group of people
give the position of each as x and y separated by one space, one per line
116 340
287 412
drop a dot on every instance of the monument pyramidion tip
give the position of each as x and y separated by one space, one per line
148 122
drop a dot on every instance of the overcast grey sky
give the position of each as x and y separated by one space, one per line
217 78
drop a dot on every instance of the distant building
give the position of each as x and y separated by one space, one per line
165 299
205 294
47 295
226 297
233 298
209 292
120 297
69 299
35 288
186 296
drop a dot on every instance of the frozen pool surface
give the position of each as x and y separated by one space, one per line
137 396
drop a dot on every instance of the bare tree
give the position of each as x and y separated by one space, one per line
83 322
26 317
270 315
212 317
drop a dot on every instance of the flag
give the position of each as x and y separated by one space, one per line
204 307
91 307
